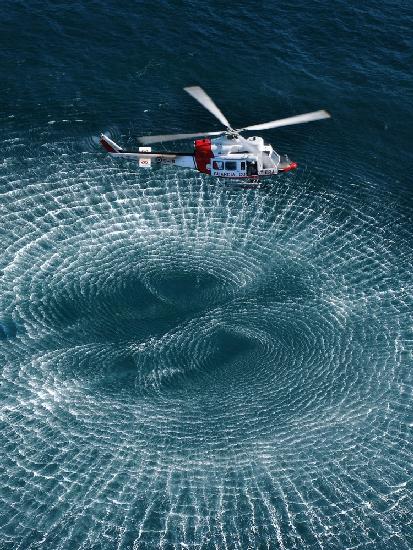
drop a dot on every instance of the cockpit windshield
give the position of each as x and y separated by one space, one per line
274 157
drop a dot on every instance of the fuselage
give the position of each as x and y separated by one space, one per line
234 157
227 156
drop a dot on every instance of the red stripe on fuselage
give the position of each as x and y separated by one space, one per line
203 154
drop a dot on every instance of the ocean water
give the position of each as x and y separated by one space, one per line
185 364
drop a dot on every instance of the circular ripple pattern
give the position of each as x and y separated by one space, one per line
193 366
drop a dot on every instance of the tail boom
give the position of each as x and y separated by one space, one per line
157 158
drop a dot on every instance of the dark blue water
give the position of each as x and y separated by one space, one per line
187 365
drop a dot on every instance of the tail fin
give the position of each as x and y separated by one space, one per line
109 145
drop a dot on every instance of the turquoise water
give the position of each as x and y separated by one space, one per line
185 364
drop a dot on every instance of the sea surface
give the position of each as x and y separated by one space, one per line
185 364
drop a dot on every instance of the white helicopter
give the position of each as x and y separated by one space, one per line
228 156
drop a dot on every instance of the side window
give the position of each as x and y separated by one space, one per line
230 165
218 165
242 166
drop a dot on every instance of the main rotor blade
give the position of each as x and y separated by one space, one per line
198 93
299 119
146 140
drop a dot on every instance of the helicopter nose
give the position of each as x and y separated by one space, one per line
291 166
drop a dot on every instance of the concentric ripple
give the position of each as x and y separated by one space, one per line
191 366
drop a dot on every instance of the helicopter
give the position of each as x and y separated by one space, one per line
229 156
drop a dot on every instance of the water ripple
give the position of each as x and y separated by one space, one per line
187 365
